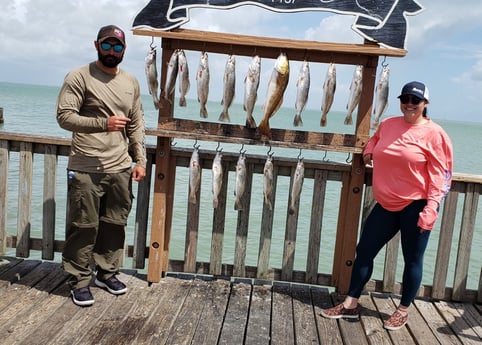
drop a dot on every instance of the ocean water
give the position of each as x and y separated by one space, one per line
30 109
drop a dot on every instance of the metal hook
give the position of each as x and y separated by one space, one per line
299 156
196 145
383 62
217 147
241 149
348 159
324 157
270 153
173 143
152 43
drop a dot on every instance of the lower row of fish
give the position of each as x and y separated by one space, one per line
178 69
240 181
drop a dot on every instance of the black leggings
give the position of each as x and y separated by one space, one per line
380 227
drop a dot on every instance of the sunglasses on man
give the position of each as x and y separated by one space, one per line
404 99
107 46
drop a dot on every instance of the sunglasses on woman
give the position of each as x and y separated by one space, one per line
404 99
107 46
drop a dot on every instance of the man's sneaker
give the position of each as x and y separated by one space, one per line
113 285
396 321
82 296
340 311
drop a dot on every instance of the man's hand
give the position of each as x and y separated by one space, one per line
138 173
117 123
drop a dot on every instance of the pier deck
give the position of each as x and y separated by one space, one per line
189 309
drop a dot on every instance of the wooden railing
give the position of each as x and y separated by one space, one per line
306 238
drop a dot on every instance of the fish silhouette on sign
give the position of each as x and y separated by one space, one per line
381 21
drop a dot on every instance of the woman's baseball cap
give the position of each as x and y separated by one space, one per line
111 31
415 88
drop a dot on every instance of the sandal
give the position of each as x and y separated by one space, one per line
396 321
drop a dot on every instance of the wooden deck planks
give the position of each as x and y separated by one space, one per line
36 309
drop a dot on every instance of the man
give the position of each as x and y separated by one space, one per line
101 105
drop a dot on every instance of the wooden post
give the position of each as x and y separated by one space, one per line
1 115
164 178
352 189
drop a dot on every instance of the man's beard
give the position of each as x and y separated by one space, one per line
109 60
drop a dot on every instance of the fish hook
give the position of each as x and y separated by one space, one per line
324 157
299 156
196 145
152 43
384 63
173 143
348 159
217 147
241 150
270 153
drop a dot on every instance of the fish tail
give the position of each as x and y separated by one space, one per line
323 121
348 120
264 128
297 120
237 205
250 122
203 112
182 101
224 116
292 210
215 203
192 197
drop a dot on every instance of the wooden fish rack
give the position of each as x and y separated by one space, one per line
366 54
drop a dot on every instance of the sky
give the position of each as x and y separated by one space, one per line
41 40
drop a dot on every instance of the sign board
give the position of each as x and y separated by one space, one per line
381 21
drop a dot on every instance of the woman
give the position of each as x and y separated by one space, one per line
412 171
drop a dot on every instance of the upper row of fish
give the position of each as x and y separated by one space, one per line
178 68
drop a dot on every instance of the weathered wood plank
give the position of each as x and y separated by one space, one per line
390 267
169 297
266 232
4 162
240 134
303 315
445 244
467 229
216 301
258 328
49 202
458 324
282 324
219 218
438 326
236 317
239 266
290 233
328 330
142 217
318 204
372 322
24 208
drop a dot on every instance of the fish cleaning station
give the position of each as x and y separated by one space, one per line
252 296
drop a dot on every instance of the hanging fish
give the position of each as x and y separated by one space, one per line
381 96
217 173
329 88
296 186
302 90
251 83
268 178
276 88
355 93
202 78
151 75
229 88
194 175
240 181
171 75
184 84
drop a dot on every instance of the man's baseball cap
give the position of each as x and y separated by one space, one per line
415 88
111 31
